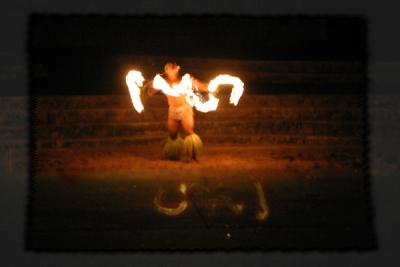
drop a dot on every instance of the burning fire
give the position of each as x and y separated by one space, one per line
134 80
181 88
237 89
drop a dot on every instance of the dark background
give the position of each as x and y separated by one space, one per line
384 43
89 54
228 36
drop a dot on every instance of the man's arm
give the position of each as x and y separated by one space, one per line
149 89
202 87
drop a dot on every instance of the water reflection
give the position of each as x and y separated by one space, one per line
167 209
213 201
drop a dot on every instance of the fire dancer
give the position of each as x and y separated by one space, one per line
180 115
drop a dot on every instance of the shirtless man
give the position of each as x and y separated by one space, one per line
180 114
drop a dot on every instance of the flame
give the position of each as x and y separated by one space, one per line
237 89
194 100
134 79
185 87
178 89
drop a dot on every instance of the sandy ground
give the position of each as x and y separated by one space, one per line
215 160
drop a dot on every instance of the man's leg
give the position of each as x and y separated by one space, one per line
192 142
188 123
173 148
172 128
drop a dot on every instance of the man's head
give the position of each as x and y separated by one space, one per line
172 69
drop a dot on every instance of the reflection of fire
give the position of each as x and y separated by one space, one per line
263 213
134 80
212 203
171 211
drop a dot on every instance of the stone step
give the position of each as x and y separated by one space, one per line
123 101
21 104
126 115
17 117
294 127
274 152
133 141
17 110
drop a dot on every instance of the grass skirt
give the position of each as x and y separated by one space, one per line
192 146
173 149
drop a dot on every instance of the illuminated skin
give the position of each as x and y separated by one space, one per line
172 77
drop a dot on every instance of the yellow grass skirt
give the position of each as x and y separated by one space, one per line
173 149
190 146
